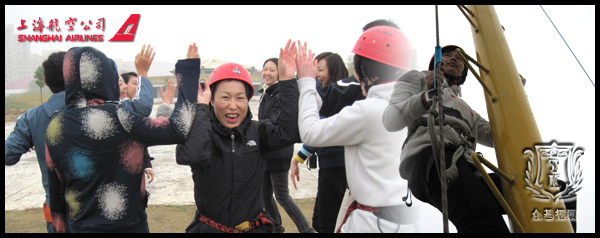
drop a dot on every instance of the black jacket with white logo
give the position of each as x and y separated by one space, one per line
228 165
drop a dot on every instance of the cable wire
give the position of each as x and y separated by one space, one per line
568 46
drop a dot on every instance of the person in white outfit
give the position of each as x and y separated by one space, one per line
383 55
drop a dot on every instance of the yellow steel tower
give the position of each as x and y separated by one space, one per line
512 121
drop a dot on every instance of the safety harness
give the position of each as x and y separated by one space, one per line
353 206
242 227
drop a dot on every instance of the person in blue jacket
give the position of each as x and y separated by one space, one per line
30 127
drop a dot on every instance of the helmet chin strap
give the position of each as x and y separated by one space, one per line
368 86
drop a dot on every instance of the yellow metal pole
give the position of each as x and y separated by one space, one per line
513 125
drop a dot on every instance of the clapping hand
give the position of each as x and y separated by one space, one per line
304 61
169 94
287 63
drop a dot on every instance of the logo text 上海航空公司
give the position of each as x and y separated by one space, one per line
50 31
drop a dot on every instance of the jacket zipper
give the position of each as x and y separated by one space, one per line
232 142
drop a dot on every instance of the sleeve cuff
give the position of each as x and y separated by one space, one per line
297 158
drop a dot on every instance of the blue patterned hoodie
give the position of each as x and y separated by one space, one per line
94 148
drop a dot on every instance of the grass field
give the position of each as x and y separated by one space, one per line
161 218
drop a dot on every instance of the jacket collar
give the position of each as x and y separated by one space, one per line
454 87
383 90
55 102
224 131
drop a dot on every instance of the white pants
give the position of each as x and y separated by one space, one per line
360 221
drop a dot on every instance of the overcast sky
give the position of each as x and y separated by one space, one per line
559 92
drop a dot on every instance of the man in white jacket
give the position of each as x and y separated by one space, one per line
383 54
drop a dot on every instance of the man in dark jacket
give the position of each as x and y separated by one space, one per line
94 148
30 127
226 150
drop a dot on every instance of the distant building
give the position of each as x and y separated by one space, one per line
206 68
18 87
18 62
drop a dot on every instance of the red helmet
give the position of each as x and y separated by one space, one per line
386 45
232 71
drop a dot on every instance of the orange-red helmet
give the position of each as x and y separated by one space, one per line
387 45
232 71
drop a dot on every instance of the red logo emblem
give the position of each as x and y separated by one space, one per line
127 31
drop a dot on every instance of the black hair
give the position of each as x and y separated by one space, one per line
126 76
380 22
335 66
53 71
275 60
368 68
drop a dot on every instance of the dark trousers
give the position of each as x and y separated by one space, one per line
472 207
330 193
276 182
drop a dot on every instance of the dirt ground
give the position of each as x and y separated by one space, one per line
11 115
161 218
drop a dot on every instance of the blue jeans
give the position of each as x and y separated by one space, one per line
277 182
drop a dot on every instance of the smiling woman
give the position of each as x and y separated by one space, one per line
231 88
226 149
230 101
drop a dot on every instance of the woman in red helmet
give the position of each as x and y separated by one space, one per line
383 54
471 207
225 149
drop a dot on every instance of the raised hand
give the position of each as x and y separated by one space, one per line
143 60
192 52
304 61
203 95
169 94
287 62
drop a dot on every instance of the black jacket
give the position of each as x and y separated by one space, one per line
338 95
270 109
228 165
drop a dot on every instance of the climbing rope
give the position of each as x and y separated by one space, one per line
441 163
438 156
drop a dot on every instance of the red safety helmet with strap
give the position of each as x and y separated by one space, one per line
387 45
231 71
